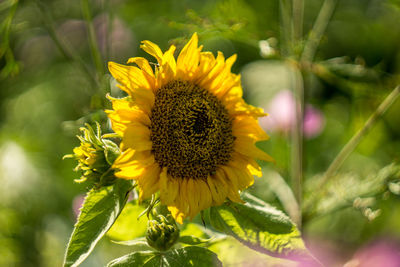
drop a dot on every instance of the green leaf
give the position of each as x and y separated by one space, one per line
193 240
261 227
187 256
142 258
98 213
136 244
123 228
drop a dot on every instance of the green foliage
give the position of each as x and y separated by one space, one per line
193 240
50 85
98 213
136 244
261 227
188 256
129 226
350 190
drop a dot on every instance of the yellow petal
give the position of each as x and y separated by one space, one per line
249 163
129 172
237 107
215 71
149 181
217 189
144 99
246 146
169 188
243 176
137 137
121 103
207 62
194 196
129 77
231 85
167 70
248 126
146 68
206 197
124 115
177 214
231 175
129 116
152 49
224 80
232 190
132 164
188 59
182 201
142 63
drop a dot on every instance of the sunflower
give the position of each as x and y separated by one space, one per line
186 131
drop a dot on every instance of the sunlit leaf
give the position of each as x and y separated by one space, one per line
188 256
261 227
98 213
128 226
193 240
135 244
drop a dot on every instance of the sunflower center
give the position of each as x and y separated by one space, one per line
191 131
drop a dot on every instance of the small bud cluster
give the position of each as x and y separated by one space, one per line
95 156
162 233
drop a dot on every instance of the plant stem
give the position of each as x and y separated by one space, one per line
298 14
94 48
318 30
286 29
285 195
48 24
297 138
306 59
109 28
355 140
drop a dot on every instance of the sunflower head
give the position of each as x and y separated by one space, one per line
95 156
186 131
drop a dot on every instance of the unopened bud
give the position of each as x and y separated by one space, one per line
162 233
95 156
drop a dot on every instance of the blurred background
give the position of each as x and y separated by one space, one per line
53 79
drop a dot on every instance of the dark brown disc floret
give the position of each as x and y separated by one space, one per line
191 131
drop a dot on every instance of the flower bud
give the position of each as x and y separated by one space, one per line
95 156
162 233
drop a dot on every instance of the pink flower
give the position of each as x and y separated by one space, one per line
314 122
282 116
281 111
379 253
